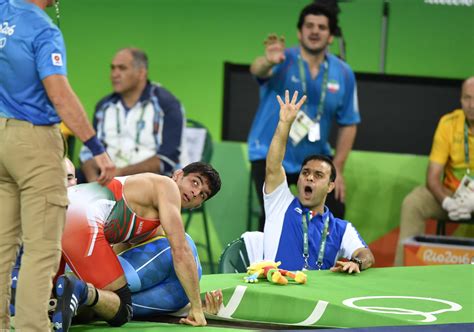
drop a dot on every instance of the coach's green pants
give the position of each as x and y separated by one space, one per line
33 201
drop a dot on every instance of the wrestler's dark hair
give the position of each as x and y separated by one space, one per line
326 159
207 171
318 9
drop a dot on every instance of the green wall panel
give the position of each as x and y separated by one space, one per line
376 185
431 40
360 22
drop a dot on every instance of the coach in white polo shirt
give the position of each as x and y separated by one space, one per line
141 123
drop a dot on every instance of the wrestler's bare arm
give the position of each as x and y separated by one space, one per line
140 193
168 202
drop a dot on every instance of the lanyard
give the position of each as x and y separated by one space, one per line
137 135
322 247
466 147
324 86
139 124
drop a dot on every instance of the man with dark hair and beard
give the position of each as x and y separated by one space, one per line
328 82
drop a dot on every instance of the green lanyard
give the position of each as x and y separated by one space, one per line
322 247
324 86
466 147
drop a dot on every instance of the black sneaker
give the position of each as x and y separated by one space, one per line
71 293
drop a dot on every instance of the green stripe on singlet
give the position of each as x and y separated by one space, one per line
120 220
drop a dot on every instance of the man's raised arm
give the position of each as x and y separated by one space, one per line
274 54
274 172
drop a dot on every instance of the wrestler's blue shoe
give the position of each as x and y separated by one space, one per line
14 278
71 294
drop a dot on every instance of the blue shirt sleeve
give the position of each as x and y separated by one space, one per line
50 53
277 79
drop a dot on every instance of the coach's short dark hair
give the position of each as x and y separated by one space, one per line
326 159
140 59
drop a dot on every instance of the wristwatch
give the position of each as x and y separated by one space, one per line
358 261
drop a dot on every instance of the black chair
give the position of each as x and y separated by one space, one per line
241 253
197 136
441 224
254 210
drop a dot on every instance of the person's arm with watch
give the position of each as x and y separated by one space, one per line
361 259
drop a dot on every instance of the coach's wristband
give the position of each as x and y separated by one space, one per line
94 145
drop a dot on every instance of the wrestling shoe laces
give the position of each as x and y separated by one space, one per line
71 294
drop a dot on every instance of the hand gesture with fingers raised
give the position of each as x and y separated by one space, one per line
274 49
289 109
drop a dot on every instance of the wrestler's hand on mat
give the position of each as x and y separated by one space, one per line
213 302
345 267
195 317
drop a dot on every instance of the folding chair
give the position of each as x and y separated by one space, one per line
240 253
234 258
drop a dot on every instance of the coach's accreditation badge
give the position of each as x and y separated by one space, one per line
314 134
300 127
57 59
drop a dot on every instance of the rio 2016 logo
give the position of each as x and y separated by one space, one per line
445 257
6 29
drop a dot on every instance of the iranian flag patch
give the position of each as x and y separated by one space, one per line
333 86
